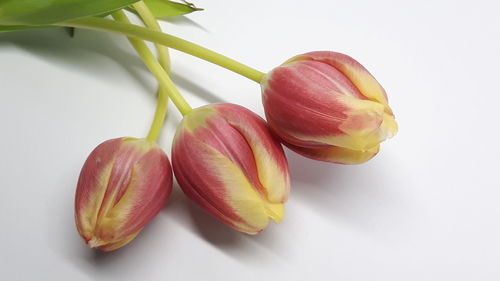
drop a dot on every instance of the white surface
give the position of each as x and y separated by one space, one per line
426 208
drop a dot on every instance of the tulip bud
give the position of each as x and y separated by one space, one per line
226 160
327 106
122 186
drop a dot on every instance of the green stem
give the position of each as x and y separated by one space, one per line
166 40
162 102
160 115
160 74
150 21
163 57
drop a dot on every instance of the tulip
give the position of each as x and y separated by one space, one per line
327 106
227 161
122 186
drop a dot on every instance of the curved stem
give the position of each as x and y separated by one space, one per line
162 102
163 57
150 21
160 115
158 71
167 40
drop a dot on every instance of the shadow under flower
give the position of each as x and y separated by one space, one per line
368 196
207 227
241 247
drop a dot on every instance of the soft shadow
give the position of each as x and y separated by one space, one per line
367 196
309 172
103 259
196 89
242 247
188 214
127 261
86 53
271 240
214 231
239 246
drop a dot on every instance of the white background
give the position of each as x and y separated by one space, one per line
426 208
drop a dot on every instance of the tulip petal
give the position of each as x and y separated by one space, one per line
124 183
326 105
388 128
150 181
225 159
270 159
219 185
354 71
296 103
335 154
107 247
197 180
331 110
244 199
94 175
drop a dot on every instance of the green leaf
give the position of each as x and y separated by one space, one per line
7 28
166 8
43 12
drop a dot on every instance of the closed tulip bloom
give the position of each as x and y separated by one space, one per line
226 160
327 106
122 186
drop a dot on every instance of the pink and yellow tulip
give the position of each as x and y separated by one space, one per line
327 106
226 160
122 186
